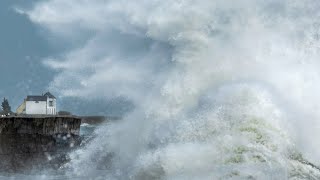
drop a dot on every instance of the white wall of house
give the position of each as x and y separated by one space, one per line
51 106
36 107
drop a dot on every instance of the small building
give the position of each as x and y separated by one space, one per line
40 105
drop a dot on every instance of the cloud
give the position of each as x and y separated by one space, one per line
113 61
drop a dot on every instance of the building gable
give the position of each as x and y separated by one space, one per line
48 94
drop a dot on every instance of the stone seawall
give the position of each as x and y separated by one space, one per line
35 142
41 125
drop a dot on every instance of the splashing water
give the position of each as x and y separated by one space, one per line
222 89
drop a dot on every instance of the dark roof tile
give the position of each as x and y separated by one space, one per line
36 98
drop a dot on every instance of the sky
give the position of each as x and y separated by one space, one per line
24 46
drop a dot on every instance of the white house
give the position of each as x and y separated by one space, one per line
45 104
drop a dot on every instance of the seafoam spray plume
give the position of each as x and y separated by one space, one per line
222 89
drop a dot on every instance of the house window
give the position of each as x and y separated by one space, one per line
50 103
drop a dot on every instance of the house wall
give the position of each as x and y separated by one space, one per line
22 108
51 109
34 107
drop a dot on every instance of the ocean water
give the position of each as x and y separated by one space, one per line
222 89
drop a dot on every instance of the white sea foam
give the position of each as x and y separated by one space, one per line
223 89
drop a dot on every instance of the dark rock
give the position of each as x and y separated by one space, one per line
30 142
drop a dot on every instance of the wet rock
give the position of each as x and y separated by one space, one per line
28 143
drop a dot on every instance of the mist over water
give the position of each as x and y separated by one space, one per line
222 89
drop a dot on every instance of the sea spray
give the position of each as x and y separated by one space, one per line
222 89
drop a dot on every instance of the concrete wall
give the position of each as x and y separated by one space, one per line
36 107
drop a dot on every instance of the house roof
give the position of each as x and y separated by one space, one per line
36 98
48 94
40 98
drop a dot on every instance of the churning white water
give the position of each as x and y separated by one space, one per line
222 89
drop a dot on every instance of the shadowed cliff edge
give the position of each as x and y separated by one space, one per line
37 141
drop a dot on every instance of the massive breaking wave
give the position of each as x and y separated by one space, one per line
222 89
